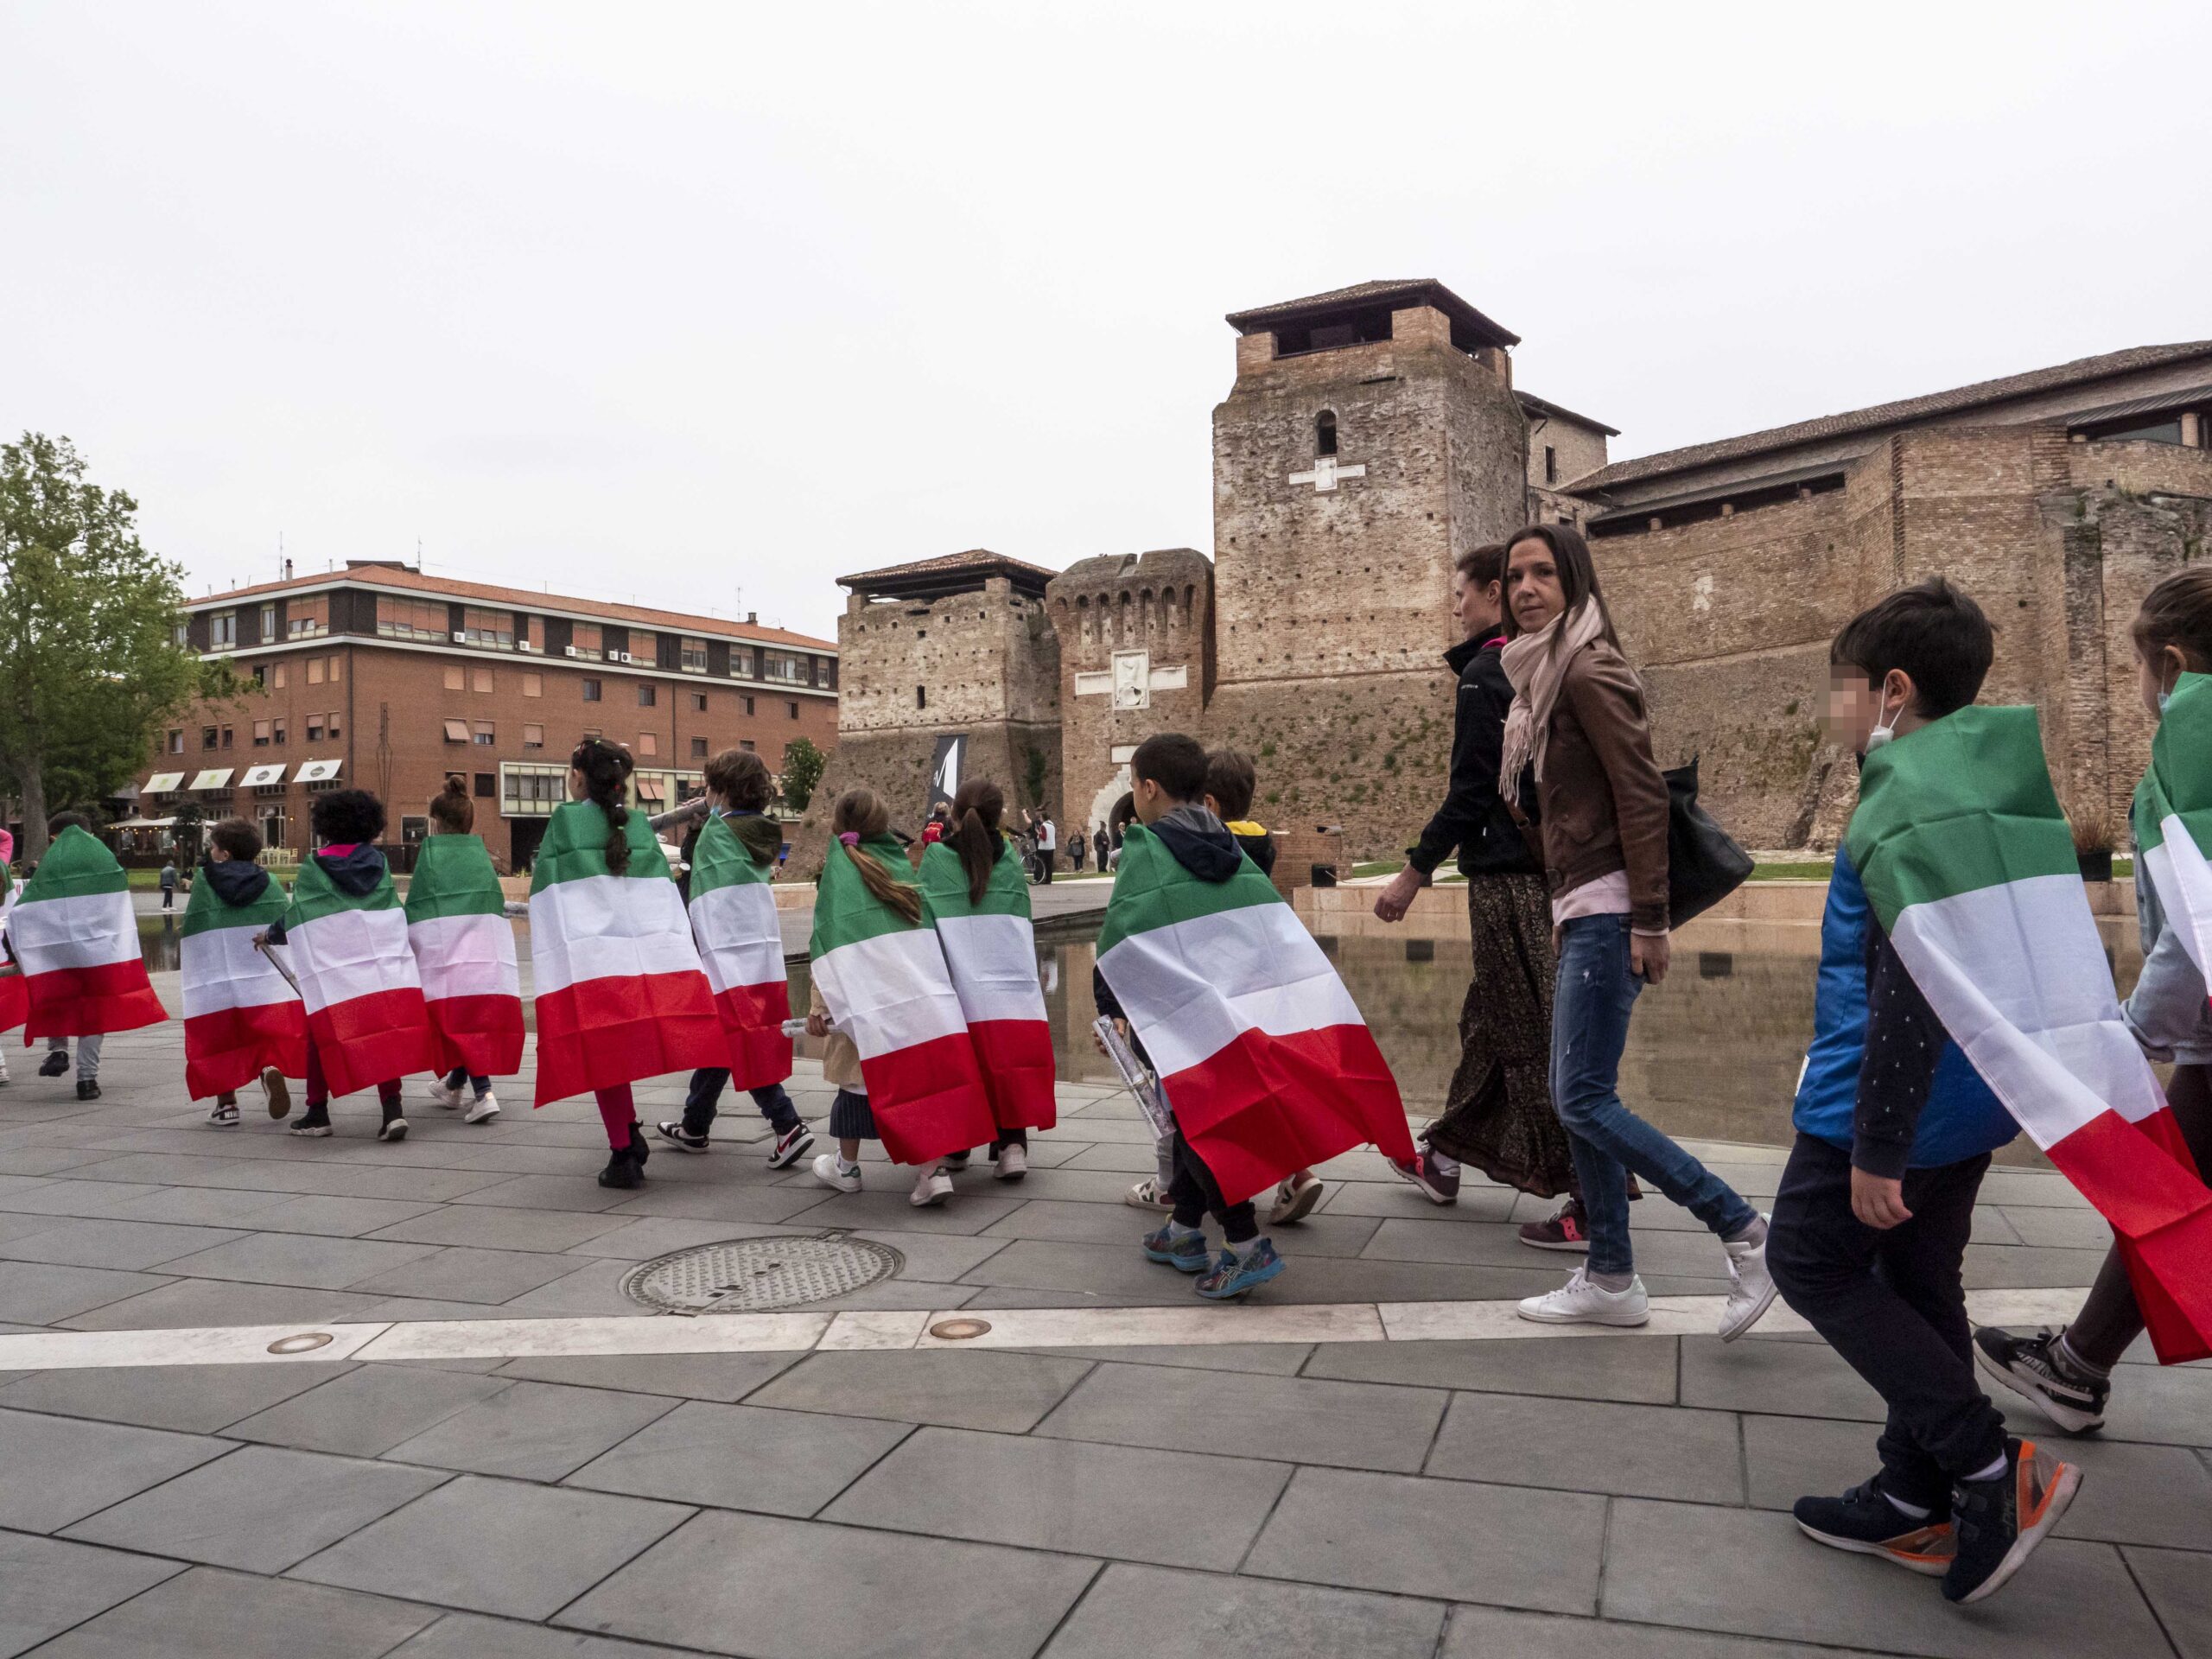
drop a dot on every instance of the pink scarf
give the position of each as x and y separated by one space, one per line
1537 665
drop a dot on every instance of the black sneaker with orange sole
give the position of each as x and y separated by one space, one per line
2000 1521
1864 1521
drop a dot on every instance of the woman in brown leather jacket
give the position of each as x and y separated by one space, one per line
1578 717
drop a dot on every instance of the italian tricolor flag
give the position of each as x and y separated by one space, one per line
991 951
363 998
241 1015
78 941
1970 868
885 983
741 946
14 998
619 992
1261 1051
465 951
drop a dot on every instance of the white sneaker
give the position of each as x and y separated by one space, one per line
1580 1301
449 1098
484 1109
1013 1164
1150 1193
1750 1288
826 1173
931 1187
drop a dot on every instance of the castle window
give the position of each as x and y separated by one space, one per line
1324 433
1551 465
921 696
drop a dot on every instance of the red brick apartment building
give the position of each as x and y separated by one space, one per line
380 677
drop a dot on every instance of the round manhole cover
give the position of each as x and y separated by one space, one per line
759 1276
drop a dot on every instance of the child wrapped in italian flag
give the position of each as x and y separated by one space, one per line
620 994
740 942
465 951
243 1018
883 982
976 897
14 998
345 937
77 941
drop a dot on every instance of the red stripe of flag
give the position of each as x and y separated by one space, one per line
90 1001
927 1099
14 1000
1263 1107
228 1049
752 1024
1016 1058
2163 1215
598 1033
367 1040
482 1035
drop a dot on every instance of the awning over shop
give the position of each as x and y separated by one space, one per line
651 789
142 823
213 778
316 771
164 783
262 777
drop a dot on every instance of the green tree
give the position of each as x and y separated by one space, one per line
90 663
803 767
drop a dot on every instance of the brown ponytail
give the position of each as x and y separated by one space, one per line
606 769
973 833
454 812
859 812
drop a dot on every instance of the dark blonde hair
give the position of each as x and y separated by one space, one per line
860 812
973 833
606 768
740 777
451 807
2178 613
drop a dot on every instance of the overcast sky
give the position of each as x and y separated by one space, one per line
712 304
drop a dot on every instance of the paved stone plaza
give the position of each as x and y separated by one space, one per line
1550 1496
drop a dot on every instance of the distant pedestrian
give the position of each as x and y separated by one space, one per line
1102 844
1047 844
168 885
1077 844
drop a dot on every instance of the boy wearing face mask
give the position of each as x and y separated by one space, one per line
1895 1131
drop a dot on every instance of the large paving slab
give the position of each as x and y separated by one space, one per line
196 1399
1004 1391
369 1410
208 1614
1500 1633
1592 1446
472 1635
51 1584
747 1458
1161 1614
1638 1369
533 1431
57 1470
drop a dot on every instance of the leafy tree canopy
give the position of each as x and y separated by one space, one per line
803 768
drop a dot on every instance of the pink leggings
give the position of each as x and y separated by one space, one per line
618 1111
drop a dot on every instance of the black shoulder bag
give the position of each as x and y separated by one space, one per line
1704 863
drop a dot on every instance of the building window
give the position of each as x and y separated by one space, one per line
648 696
227 737
176 739
530 633
181 635
337 668
268 624
782 665
276 676
533 737
921 697
648 744
692 656
314 670
456 678
1324 433
411 619
495 629
308 619
260 734
584 642
1551 465
487 785
486 737
314 728
275 734
749 705
698 749
208 736
741 663
643 649
479 679
591 690
698 703
746 745
533 685
331 722
791 708
532 791
223 631
456 731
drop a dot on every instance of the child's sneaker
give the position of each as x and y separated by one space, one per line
1999 1522
954 1163
311 1127
931 1187
276 1092
225 1115
1751 1287
1864 1521
1184 1252
1148 1194
1235 1275
445 1095
1013 1163
55 1063
1568 1229
673 1129
482 1109
1420 1171
2036 1368
392 1128
88 1088
1295 1198
789 1146
830 1173
621 1172
1581 1300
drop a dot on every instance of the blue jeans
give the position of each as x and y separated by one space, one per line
703 1099
1596 994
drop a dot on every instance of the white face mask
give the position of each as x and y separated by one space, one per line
1885 726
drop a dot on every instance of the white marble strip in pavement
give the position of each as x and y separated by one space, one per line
800 1332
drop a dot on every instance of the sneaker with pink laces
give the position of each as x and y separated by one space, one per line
1569 1229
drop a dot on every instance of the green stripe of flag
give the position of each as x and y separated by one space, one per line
77 866
453 877
2180 777
1151 890
207 910
575 847
945 886
845 912
721 860
314 895
1961 804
